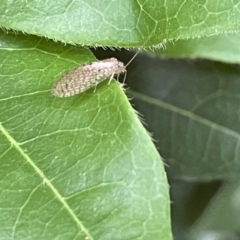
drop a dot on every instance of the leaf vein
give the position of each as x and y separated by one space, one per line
46 180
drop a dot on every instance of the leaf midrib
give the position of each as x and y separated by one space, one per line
45 180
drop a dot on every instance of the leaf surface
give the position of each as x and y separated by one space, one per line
73 168
221 47
120 23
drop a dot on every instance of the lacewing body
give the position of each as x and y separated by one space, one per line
87 76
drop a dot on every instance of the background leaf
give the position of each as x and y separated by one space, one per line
221 47
191 107
221 218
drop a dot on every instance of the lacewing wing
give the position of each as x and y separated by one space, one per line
87 76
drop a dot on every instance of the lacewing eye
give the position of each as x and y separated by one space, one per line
87 76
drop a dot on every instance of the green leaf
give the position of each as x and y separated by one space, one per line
120 23
73 168
221 47
192 107
220 219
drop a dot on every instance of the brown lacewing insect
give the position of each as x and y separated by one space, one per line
88 75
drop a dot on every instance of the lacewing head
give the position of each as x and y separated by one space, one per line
87 76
